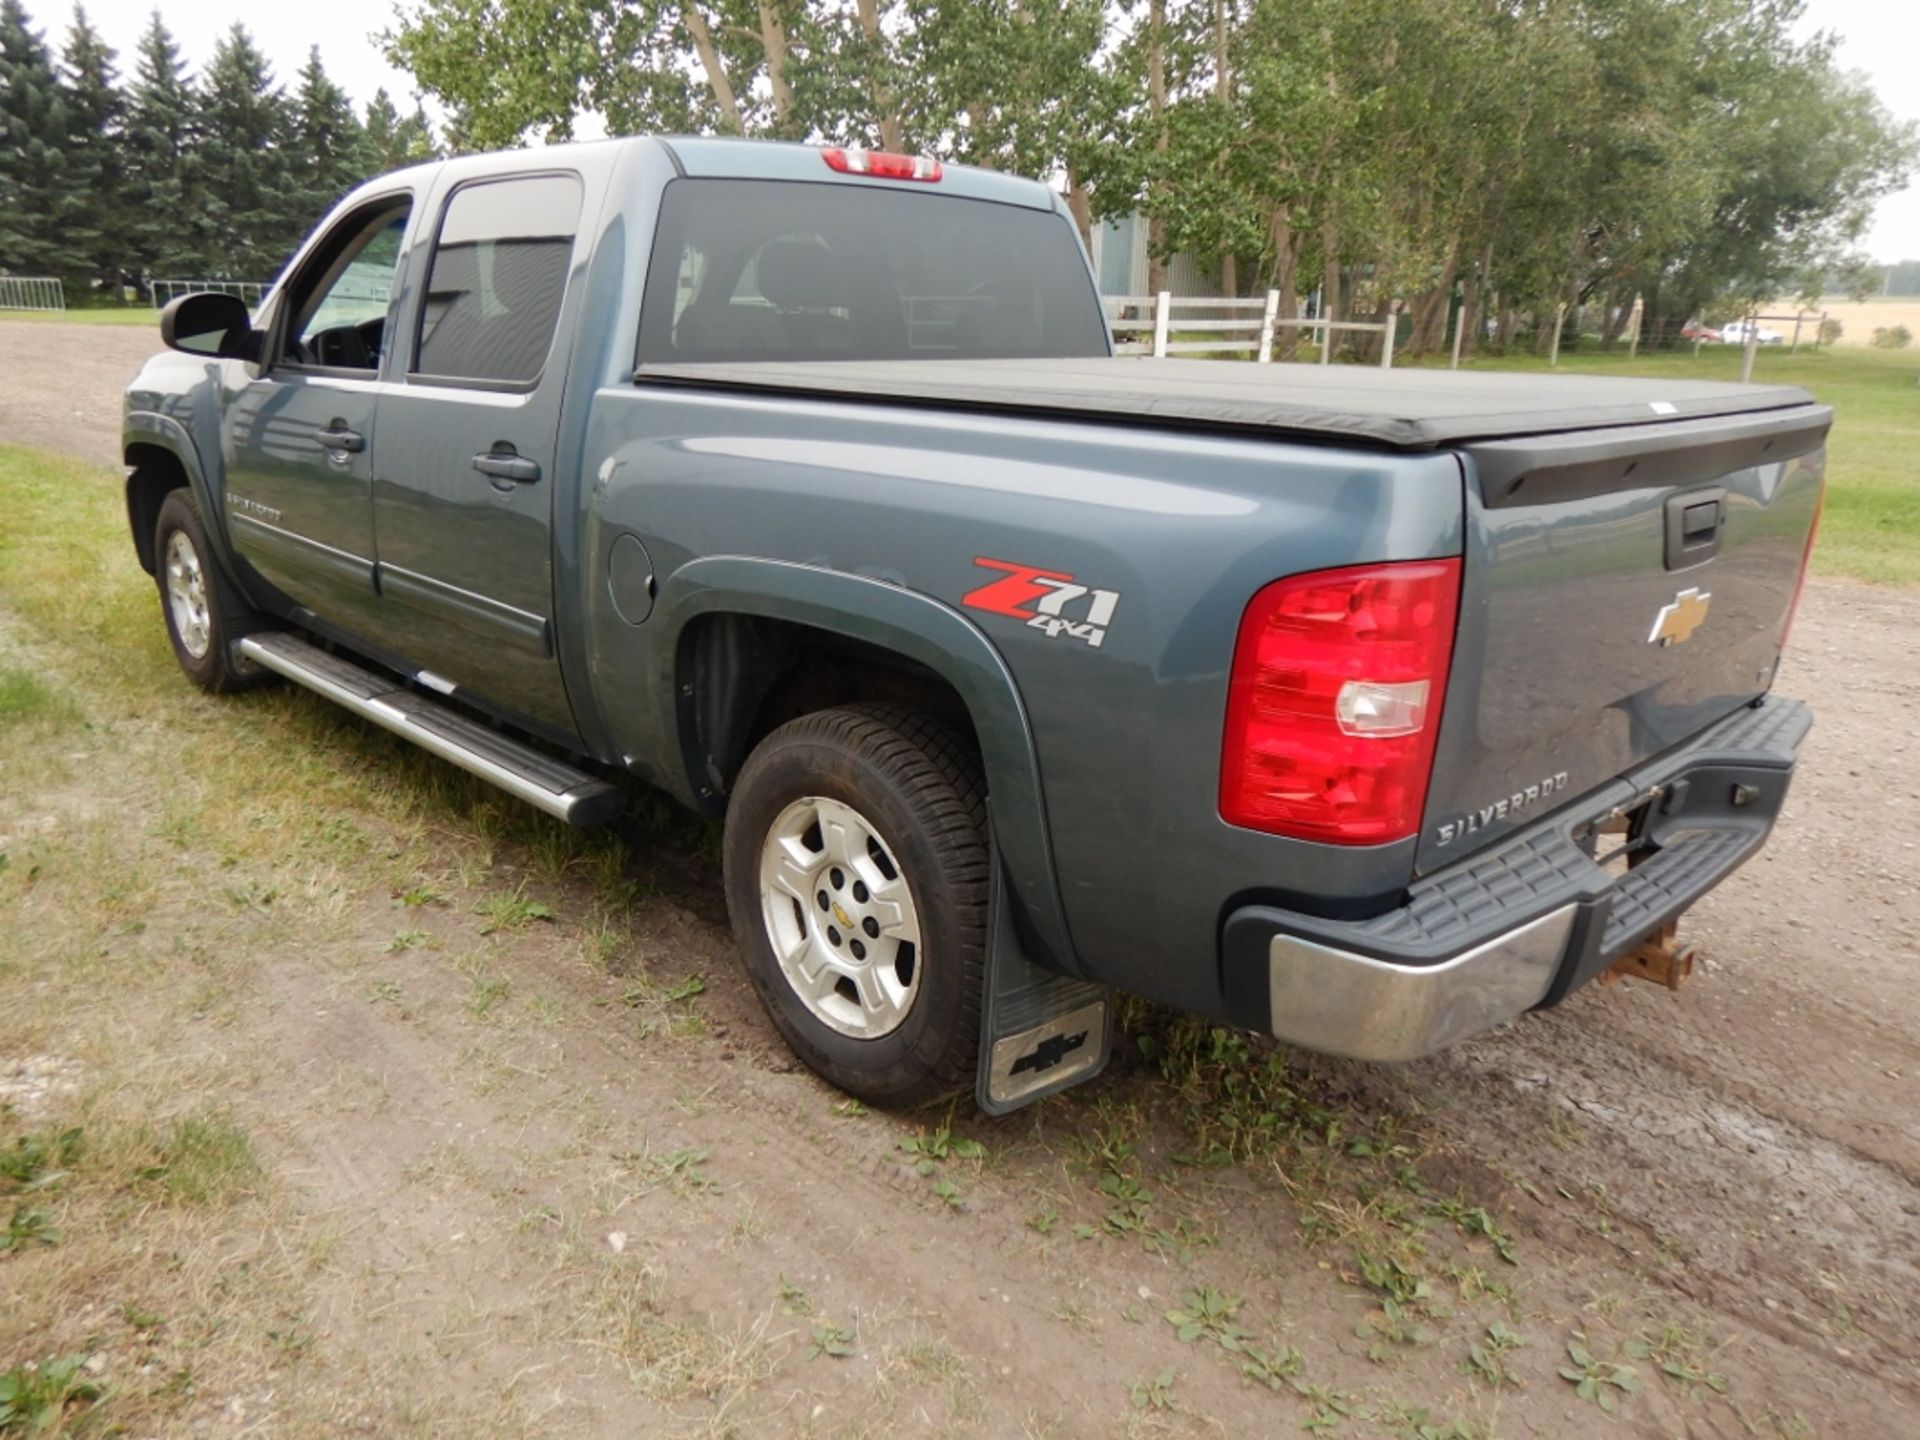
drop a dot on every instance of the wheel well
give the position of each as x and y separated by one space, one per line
747 675
157 472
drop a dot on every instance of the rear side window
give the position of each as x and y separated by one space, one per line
785 270
498 275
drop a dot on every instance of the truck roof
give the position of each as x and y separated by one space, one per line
1402 409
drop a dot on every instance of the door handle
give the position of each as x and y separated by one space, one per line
505 465
340 441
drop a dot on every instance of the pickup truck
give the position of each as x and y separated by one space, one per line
1365 709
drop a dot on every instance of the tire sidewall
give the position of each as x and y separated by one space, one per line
895 1064
180 514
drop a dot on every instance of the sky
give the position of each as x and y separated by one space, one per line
1881 38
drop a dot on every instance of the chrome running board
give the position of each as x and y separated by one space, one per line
522 771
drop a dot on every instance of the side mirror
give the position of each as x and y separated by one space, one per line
216 326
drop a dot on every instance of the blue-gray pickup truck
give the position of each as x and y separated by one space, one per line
1366 709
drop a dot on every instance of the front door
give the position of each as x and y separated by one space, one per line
464 486
298 439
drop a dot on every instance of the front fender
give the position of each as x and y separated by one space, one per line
909 624
163 432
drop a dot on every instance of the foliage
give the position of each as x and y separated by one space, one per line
1597 1380
35 1398
106 184
1892 337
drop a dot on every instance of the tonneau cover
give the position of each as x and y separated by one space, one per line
1402 409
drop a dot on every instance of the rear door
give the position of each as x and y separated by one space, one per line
298 438
1623 590
464 489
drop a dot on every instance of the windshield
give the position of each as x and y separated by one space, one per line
780 270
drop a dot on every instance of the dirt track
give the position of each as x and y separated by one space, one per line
1741 1161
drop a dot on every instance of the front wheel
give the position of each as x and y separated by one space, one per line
204 616
856 877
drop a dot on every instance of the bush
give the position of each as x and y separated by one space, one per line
1830 331
1892 337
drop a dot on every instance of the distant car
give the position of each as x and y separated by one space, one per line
1736 334
1700 332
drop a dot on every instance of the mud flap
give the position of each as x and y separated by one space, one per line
1039 1031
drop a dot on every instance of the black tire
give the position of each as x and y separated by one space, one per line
227 616
920 786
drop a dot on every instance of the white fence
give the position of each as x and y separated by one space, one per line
248 290
31 292
1163 313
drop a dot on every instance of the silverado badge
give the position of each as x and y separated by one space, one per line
1680 617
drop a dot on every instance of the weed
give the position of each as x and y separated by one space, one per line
951 1193
1680 1354
832 1341
1043 1220
511 912
1208 1315
1129 1199
680 1169
848 1109
29 1226
1153 1393
1595 1379
35 1399
1269 1367
1474 1220
487 995
141 1319
1486 1358
1182 1242
406 940
1394 1277
930 1147
418 896
37 1162
388 990
24 696
203 1159
1416 1422
1330 1407
1389 1330
793 1299
685 989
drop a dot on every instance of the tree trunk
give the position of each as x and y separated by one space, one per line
1286 279
1330 279
773 39
1080 206
715 69
1157 108
891 132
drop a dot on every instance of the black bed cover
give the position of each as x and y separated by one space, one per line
1401 409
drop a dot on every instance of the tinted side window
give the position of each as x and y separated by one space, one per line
340 302
498 274
783 270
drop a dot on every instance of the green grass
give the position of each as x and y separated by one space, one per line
1871 527
103 315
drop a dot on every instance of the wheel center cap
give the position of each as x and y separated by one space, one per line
840 914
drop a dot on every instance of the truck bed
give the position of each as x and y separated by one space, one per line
1405 409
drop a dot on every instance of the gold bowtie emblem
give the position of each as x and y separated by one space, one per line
842 916
1680 617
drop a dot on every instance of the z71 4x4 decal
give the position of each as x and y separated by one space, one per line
1041 598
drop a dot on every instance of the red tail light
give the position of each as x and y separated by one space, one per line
1806 559
1334 702
882 164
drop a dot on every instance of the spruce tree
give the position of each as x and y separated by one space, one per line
95 219
36 192
246 211
392 142
158 140
329 155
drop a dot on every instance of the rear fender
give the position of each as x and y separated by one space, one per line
908 624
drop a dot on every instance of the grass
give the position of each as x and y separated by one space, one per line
100 315
1871 527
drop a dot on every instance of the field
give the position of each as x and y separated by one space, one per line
340 1095
1859 318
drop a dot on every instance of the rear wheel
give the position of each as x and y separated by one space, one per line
856 876
204 615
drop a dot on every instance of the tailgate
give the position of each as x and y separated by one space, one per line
1623 590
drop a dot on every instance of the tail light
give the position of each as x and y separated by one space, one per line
882 164
1806 559
1334 702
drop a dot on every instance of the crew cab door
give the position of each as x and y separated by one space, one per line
298 439
464 486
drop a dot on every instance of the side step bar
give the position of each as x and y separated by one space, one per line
522 771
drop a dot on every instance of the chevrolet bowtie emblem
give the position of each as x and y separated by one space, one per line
1680 617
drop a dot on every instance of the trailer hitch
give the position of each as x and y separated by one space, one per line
1659 958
